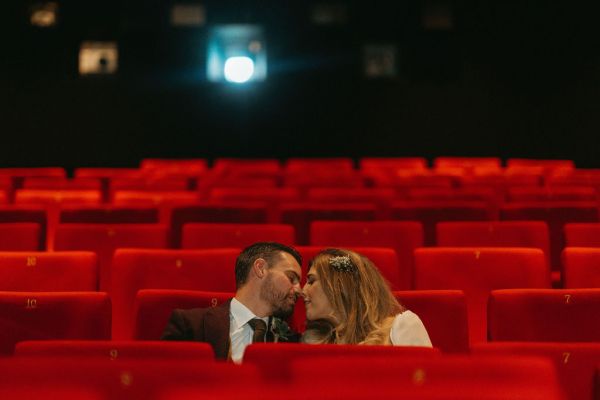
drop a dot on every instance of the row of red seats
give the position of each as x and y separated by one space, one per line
308 371
574 362
528 315
403 237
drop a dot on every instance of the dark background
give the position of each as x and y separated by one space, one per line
511 79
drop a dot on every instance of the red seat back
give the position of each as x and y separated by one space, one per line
477 271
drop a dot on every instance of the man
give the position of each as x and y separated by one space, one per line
267 276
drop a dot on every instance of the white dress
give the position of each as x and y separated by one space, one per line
408 330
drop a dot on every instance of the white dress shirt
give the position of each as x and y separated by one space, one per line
240 332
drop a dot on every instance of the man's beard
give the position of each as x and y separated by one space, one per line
279 301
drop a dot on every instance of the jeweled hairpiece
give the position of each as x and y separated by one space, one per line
342 264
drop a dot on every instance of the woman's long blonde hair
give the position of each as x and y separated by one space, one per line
363 304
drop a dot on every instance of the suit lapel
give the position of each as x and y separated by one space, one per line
216 329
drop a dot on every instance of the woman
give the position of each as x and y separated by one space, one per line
349 302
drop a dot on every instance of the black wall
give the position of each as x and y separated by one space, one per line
512 79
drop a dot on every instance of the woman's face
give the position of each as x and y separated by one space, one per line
317 304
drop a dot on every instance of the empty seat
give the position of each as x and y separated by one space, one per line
135 269
581 267
530 162
128 379
51 196
556 215
582 234
574 362
48 315
551 315
430 212
109 215
153 308
115 349
477 271
274 359
444 314
402 236
226 212
26 213
392 163
298 164
422 377
20 236
200 236
61 183
467 162
172 165
45 272
556 193
300 215
104 239
494 234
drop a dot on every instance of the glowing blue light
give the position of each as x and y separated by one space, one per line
238 69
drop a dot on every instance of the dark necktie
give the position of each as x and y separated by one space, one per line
260 329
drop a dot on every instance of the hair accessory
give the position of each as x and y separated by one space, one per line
342 264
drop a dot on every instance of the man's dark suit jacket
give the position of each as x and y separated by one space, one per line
209 325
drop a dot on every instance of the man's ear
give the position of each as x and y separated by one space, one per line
259 267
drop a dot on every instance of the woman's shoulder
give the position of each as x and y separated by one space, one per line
409 330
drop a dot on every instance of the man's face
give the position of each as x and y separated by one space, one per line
281 286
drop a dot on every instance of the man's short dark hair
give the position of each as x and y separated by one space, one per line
268 251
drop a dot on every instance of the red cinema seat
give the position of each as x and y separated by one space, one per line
581 267
104 239
554 193
582 234
106 173
115 349
426 377
544 315
129 379
151 198
300 215
444 314
135 269
380 196
109 215
48 272
392 163
63 391
477 271
20 236
494 234
173 166
58 183
203 236
153 308
21 173
150 183
468 162
556 215
52 315
238 213
299 164
429 213
274 359
575 362
248 167
51 196
273 197
26 213
402 236
530 162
